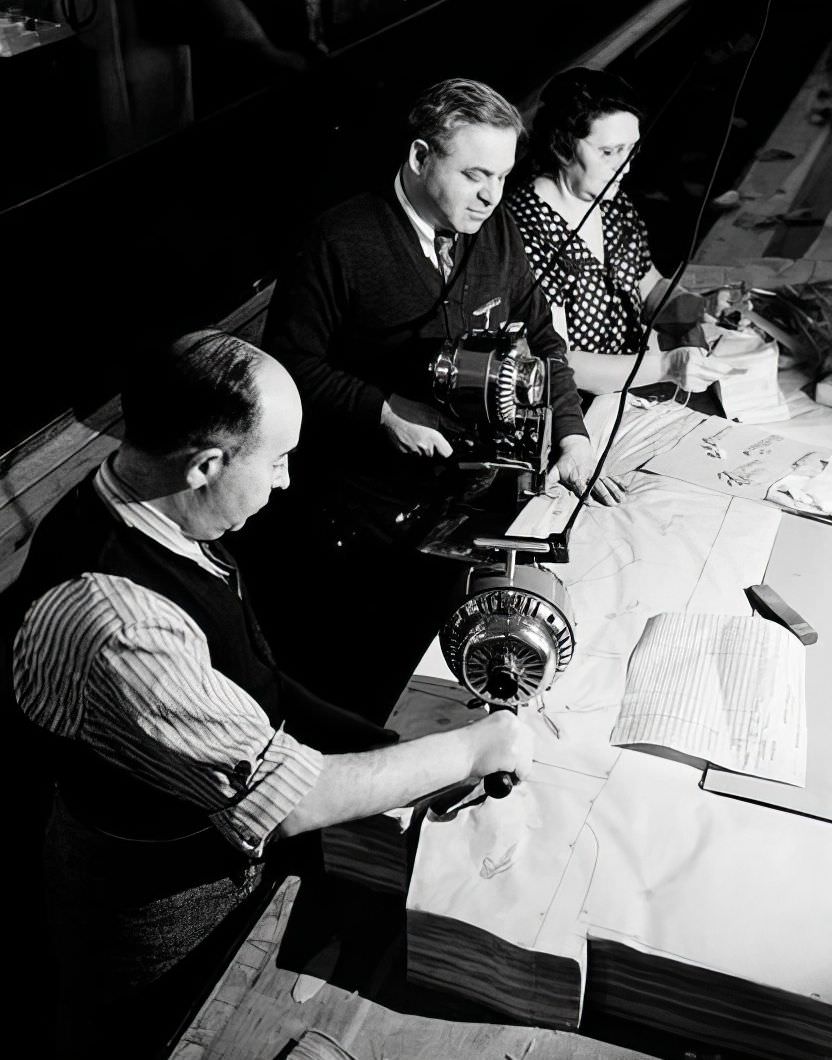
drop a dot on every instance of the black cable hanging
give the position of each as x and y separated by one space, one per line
677 275
77 21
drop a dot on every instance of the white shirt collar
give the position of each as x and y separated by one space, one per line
424 231
142 516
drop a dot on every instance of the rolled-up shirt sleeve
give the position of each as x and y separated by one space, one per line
287 772
128 673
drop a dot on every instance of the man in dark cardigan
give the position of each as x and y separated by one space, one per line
184 759
380 283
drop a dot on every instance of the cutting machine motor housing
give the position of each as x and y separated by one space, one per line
513 634
500 392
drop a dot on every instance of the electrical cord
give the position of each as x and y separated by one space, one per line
69 9
677 275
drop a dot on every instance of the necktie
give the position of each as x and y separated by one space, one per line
443 245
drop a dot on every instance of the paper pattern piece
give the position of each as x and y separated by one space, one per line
723 884
739 459
625 850
692 549
808 494
722 689
810 422
645 431
489 889
493 901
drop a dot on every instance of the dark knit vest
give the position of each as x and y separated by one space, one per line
80 535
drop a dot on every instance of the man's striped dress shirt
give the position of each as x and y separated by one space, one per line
122 669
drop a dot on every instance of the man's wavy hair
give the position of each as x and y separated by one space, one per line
196 392
569 104
449 104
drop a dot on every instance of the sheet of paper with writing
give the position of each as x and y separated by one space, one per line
725 689
800 570
739 459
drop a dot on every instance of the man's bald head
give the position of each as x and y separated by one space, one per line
209 425
205 388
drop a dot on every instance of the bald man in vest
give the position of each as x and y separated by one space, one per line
185 760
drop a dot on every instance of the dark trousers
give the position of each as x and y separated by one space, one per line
142 931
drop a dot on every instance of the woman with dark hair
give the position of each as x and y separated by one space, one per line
600 281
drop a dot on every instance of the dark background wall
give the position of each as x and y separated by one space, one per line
179 232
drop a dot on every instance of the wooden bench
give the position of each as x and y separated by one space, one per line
252 1013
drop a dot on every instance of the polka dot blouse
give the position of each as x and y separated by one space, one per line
603 303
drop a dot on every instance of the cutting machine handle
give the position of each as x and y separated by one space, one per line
498 785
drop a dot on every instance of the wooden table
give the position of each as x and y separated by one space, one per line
252 1012
699 914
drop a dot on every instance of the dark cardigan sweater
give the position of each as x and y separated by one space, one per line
361 318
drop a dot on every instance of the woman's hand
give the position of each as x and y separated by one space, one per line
693 370
575 467
729 300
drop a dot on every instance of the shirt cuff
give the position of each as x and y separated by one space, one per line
287 772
